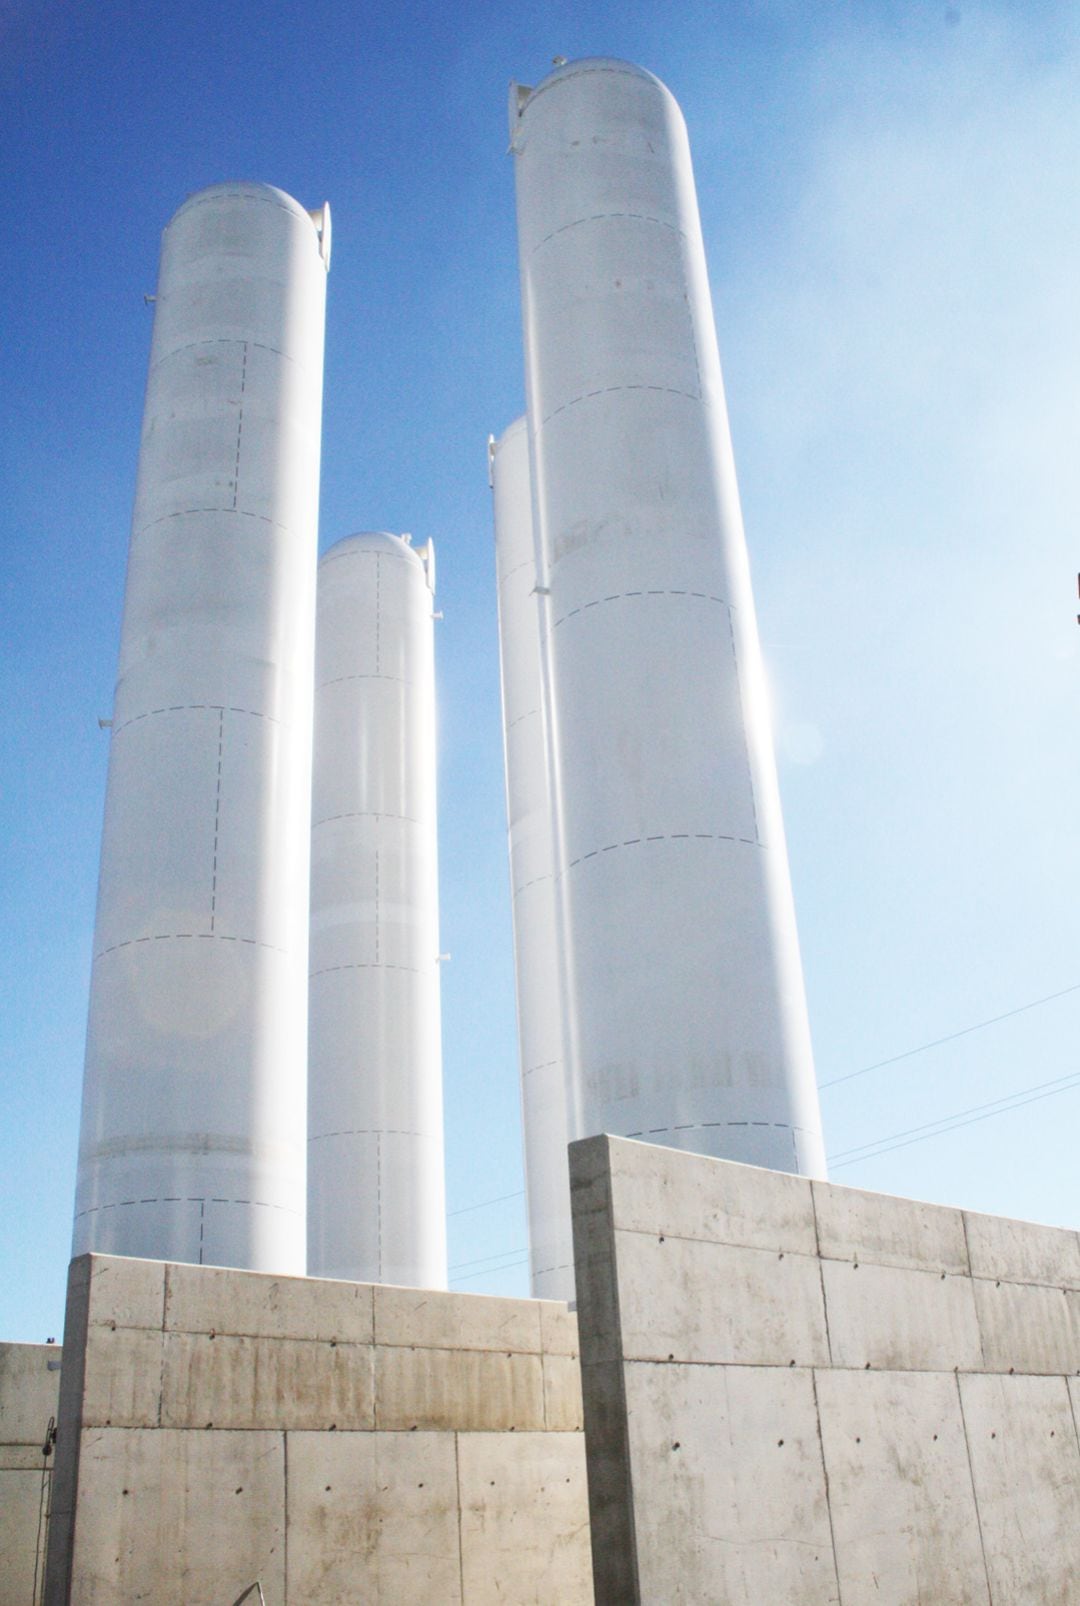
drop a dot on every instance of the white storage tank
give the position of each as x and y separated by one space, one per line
376 1195
684 1012
192 1142
528 811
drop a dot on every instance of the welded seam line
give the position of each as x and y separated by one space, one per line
611 390
195 708
704 596
240 427
189 936
217 820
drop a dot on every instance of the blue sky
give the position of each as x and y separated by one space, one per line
888 194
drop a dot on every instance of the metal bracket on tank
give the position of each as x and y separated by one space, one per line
491 462
320 216
519 97
426 554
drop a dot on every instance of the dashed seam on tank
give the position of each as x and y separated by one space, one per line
240 427
187 512
368 1132
261 198
701 1126
526 563
222 340
199 1199
339 680
188 708
530 713
365 814
610 390
384 964
547 1065
193 936
671 836
619 596
525 885
604 217
217 818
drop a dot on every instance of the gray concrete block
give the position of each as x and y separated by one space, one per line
524 1538
691 1196
558 1328
29 1391
373 1517
22 1534
900 1320
732 1504
472 1390
438 1320
265 1383
905 1526
179 1518
207 1299
594 1249
562 1394
122 1379
855 1225
1026 1328
1026 1466
126 1293
1020 1251
689 1300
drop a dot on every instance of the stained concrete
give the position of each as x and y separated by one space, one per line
795 1391
336 1441
29 1390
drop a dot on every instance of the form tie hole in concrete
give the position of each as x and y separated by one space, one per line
333 1427
780 1444
791 1363
675 1446
413 1428
661 1237
327 1489
1012 1369
123 1491
209 1425
866 1368
943 1276
993 1435
671 1357
780 1256
935 1438
240 1490
857 1439
212 1333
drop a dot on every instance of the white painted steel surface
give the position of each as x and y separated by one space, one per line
528 811
685 1015
376 1204
192 1144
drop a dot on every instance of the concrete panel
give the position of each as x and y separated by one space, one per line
904 1520
22 1535
720 1303
373 1517
419 1317
179 1518
1026 1466
125 1293
122 1380
558 1328
734 1504
475 1390
900 1320
29 1391
689 1196
1021 1252
228 1382
859 1226
524 1537
1026 1328
562 1394
204 1299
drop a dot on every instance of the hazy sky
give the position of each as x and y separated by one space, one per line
890 202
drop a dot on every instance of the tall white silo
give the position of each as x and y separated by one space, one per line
684 1011
192 1142
528 811
376 1197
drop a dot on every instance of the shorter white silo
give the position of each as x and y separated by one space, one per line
376 1205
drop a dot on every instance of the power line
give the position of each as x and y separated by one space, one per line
500 1199
480 1259
472 1275
952 1123
936 1042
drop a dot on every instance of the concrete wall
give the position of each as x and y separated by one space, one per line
337 1441
29 1388
796 1392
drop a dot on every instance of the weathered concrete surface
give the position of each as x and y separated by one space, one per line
796 1392
336 1441
29 1390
